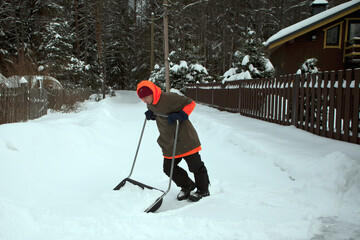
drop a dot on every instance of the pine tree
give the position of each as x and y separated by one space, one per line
4 34
249 59
58 48
207 32
17 53
85 43
117 43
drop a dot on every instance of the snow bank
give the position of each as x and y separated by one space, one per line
267 181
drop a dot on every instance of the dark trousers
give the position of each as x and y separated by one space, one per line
180 176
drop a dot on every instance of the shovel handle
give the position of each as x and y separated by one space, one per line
137 149
151 208
161 115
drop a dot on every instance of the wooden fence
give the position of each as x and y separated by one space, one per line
60 99
326 103
22 104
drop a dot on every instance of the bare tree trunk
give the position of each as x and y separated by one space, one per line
22 47
86 37
20 37
232 48
99 44
166 47
206 34
152 43
135 32
77 29
224 50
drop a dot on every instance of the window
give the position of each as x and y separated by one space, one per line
354 31
352 40
333 36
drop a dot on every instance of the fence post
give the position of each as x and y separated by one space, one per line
212 96
295 98
196 93
355 125
347 97
339 107
26 103
239 97
2 105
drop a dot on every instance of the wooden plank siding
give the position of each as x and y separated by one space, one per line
325 104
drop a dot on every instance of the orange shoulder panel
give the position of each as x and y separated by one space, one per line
189 108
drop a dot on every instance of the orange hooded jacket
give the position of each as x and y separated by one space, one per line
165 103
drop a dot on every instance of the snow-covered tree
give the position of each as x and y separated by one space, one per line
251 57
58 48
119 56
205 31
250 61
17 34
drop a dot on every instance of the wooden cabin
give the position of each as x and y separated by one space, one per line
331 36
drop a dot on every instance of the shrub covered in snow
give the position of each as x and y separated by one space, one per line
181 73
309 66
247 69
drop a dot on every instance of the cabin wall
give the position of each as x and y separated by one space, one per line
289 57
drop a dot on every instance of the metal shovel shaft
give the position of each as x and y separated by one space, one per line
149 209
137 149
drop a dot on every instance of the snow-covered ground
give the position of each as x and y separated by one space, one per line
267 181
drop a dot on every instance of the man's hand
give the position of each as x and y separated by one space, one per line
181 116
149 115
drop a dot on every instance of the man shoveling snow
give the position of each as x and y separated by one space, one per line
177 108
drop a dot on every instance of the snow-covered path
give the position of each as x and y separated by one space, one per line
267 181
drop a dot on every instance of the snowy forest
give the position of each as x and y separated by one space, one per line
101 43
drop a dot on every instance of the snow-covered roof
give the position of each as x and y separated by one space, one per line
23 80
312 23
319 2
16 81
2 79
11 82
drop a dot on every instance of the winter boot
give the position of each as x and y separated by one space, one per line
196 196
185 192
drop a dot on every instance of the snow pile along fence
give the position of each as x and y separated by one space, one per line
325 103
24 103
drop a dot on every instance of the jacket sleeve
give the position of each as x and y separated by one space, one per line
189 108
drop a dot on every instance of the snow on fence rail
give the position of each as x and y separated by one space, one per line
22 104
326 103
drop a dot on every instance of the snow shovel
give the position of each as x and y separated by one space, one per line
156 205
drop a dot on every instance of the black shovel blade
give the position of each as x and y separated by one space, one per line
155 206
143 186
